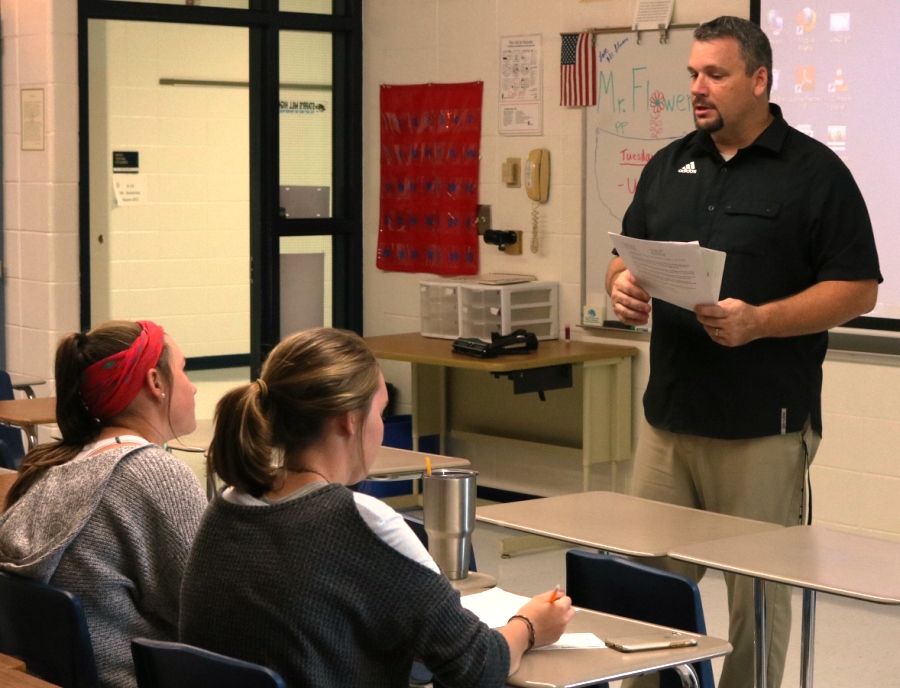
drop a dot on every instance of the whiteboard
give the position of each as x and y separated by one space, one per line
643 103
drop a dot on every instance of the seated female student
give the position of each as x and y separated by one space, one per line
330 588
105 513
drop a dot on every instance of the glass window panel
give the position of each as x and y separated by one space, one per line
180 255
305 283
231 4
305 121
311 6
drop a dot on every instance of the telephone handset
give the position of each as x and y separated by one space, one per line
537 186
537 175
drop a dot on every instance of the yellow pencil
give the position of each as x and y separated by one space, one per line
554 595
428 465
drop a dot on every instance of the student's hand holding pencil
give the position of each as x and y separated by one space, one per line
550 612
540 622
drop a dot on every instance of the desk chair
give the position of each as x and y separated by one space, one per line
619 586
10 437
159 664
45 627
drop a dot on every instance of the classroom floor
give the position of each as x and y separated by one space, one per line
855 641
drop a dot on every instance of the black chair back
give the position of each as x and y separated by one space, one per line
45 627
159 664
619 586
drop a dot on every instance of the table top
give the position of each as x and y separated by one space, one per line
7 662
14 678
415 348
28 411
7 478
571 668
618 523
811 557
389 462
392 461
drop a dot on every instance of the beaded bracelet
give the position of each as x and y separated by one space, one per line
530 629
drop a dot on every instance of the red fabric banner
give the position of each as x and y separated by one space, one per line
430 143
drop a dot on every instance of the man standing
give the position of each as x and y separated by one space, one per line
733 404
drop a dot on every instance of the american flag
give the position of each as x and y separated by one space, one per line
578 71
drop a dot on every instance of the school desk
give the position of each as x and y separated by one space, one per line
808 557
571 668
11 663
615 522
388 462
25 383
14 678
27 414
456 396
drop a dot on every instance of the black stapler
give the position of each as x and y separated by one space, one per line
518 342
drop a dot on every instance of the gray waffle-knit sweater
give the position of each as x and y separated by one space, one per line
114 529
306 588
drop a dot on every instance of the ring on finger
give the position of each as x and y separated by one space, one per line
717 332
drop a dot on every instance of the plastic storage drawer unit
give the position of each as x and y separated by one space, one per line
439 308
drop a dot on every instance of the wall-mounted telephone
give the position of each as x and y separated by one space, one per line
537 186
537 175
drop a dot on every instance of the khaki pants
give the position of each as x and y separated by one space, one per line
763 479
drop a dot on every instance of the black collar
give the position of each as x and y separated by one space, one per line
772 138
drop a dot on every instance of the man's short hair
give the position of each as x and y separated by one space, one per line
755 49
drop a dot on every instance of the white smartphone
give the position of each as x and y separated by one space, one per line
654 641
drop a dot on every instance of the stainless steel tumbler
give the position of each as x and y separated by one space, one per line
448 496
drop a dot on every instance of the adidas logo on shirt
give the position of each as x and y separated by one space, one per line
688 169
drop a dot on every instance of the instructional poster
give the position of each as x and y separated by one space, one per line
521 97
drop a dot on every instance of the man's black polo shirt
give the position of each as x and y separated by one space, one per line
788 213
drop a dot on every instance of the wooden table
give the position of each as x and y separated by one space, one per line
27 414
12 678
7 662
390 461
615 522
453 393
7 478
570 668
809 557
12 675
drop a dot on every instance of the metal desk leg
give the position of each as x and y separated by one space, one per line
429 403
31 434
688 676
759 596
808 639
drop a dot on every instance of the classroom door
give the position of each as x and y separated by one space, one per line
170 182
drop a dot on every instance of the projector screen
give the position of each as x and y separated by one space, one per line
837 78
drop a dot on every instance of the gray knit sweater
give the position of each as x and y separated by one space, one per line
306 588
114 529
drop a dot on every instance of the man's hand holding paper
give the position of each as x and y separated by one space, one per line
731 322
684 274
630 303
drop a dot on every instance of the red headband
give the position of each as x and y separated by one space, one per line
109 385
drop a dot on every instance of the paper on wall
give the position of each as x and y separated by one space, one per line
130 189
